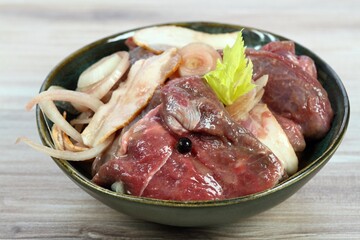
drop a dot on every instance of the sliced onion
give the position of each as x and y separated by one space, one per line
110 74
53 94
68 155
242 106
51 111
197 59
156 39
103 75
80 121
261 82
99 70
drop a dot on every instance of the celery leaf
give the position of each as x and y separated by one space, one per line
232 77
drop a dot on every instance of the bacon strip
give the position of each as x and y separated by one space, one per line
175 36
131 96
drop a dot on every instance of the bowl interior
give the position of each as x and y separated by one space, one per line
314 157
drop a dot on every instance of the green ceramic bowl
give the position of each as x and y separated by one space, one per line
204 213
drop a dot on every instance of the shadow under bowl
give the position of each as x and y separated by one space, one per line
202 213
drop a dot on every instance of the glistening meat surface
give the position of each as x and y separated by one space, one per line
225 160
292 90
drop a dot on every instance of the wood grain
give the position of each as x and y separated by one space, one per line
38 201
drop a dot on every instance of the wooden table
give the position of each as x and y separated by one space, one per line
38 201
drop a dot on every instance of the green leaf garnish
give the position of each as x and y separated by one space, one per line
232 77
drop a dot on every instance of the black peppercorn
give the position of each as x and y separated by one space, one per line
184 145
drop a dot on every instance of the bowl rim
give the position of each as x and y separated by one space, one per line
76 176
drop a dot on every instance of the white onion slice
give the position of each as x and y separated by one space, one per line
51 111
80 121
197 59
112 69
99 70
52 94
242 106
68 155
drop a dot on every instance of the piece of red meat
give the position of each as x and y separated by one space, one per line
292 90
287 49
225 161
293 132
